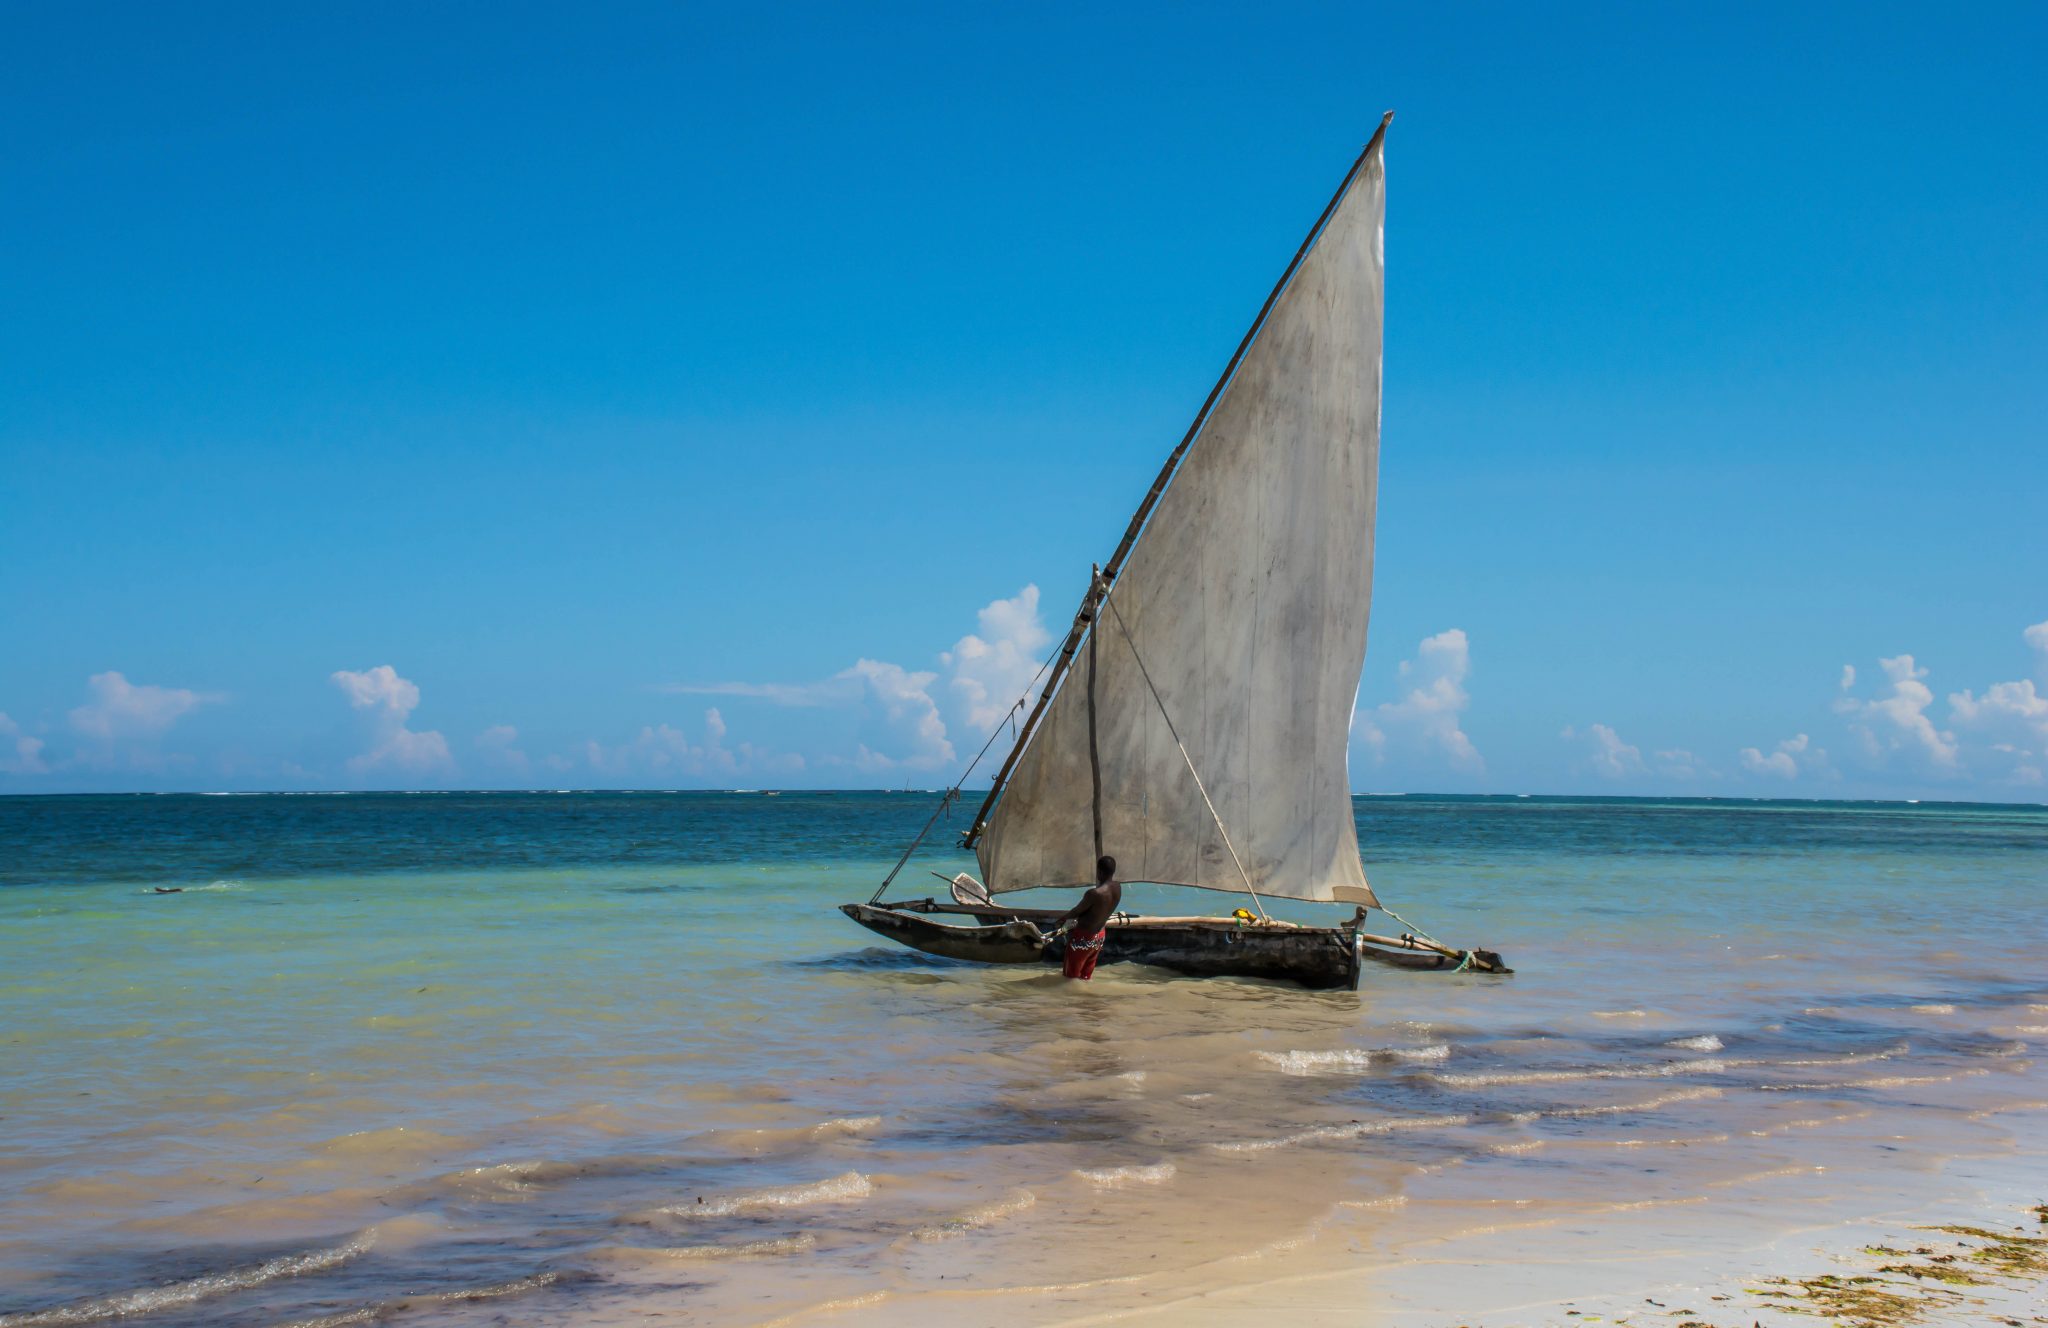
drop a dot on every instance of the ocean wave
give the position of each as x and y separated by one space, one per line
1661 1071
385 1309
839 1189
1117 1177
174 1295
974 1219
1933 1009
1354 1130
1357 1058
753 1249
1704 1042
1617 1108
767 1136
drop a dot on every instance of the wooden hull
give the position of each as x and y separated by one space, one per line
1315 957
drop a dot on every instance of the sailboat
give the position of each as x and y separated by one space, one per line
1195 721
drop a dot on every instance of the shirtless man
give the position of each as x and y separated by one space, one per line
1090 918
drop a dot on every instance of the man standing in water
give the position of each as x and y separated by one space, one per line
1090 919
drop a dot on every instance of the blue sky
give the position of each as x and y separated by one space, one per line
484 396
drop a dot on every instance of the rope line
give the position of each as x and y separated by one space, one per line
1464 956
1009 720
1146 674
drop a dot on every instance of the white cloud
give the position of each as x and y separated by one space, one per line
27 758
121 709
2037 637
499 745
1787 760
904 713
1848 677
388 701
1427 715
1607 753
1897 721
902 727
2011 716
1678 763
660 750
991 668
832 691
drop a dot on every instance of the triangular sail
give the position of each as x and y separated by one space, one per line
1247 597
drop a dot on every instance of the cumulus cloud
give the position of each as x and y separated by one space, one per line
1678 763
20 753
668 753
832 691
1897 722
901 727
1787 760
122 709
387 702
907 716
1427 715
1606 752
991 668
499 744
2011 717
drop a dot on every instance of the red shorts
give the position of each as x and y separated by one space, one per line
1082 952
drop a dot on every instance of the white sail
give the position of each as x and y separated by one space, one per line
1246 597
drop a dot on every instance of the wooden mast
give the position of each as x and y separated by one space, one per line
1094 753
1107 575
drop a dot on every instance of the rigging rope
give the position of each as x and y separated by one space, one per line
1147 675
1464 956
946 800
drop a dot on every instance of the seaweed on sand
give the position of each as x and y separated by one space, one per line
1887 1299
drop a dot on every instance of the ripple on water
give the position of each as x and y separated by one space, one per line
175 1295
1352 1059
1118 1177
975 1219
839 1189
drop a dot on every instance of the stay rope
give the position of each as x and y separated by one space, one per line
1009 721
1464 956
1146 674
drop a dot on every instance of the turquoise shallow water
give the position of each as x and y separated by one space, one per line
427 1057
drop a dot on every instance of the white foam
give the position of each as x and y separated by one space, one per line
1352 1058
1934 1009
1355 1130
845 1125
974 1219
384 1310
155 1300
839 1189
753 1249
1117 1177
1619 1108
1704 1042
1665 1070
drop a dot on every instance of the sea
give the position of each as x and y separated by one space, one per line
600 1057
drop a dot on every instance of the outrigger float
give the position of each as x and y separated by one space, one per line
1224 637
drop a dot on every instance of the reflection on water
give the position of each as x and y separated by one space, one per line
423 1058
